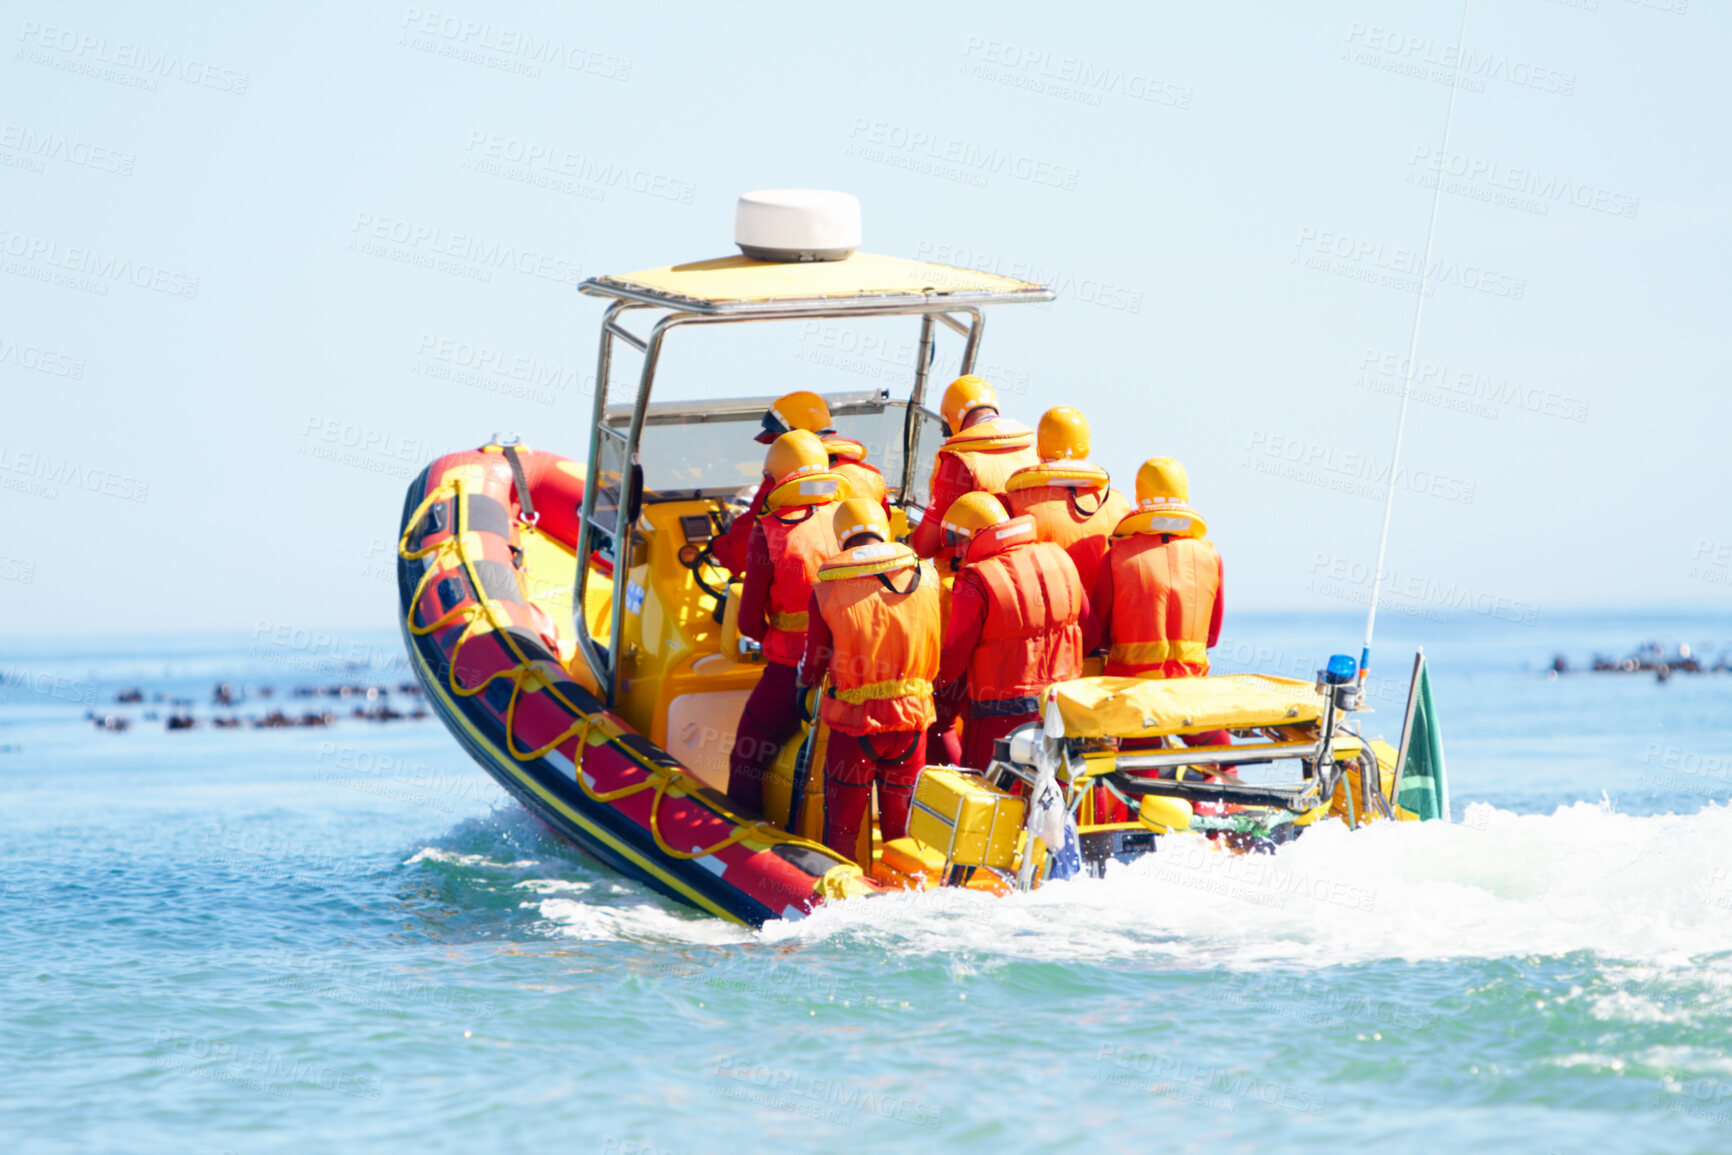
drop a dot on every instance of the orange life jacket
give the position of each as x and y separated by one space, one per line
886 639
1072 507
1033 631
1164 591
992 450
799 542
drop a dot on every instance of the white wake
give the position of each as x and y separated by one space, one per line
1653 889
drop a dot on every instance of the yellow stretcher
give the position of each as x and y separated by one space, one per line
1106 707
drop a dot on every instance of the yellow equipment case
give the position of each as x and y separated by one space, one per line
966 818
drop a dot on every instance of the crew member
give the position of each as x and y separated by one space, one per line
1070 500
874 631
982 451
790 541
1156 602
808 411
1015 623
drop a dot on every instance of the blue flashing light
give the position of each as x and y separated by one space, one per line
1342 669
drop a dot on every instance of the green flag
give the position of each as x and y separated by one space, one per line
1420 783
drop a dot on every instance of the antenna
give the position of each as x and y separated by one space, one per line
1413 347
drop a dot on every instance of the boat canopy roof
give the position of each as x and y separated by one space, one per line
864 281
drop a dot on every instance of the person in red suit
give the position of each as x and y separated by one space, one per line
792 538
874 632
1156 601
1015 624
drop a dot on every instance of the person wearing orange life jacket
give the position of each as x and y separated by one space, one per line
1157 601
792 539
982 452
874 630
1070 500
808 411
1015 625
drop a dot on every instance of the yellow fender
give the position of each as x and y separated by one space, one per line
1164 815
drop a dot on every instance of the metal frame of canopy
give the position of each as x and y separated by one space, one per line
957 307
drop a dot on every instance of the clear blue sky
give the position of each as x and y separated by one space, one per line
200 288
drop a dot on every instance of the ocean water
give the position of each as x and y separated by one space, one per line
346 938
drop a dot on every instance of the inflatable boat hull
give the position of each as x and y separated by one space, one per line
489 659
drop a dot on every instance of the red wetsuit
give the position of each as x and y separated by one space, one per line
772 713
732 548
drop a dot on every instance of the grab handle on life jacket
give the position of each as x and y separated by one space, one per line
1076 506
891 586
800 515
1100 498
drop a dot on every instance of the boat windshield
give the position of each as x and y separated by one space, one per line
692 451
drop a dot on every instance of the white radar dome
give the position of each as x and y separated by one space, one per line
797 224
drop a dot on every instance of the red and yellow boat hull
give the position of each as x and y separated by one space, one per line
480 597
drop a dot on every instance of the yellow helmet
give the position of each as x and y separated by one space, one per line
859 515
1163 502
1064 435
801 410
1162 480
794 453
964 394
844 448
971 513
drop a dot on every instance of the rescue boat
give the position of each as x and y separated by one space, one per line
570 626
